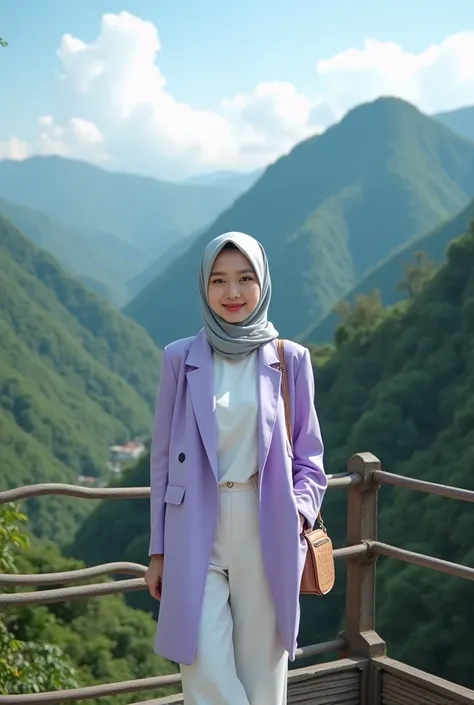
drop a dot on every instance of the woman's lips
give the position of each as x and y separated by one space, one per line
233 307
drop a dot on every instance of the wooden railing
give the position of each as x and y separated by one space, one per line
363 649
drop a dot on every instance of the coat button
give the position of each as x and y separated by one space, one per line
181 457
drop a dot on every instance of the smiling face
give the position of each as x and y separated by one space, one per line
233 291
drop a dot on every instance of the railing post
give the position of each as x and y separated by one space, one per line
362 524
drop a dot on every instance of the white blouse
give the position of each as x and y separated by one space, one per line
236 399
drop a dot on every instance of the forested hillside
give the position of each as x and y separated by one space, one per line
72 644
75 377
389 277
327 212
399 384
101 260
460 121
142 211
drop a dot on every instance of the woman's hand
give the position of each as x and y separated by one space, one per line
154 575
302 523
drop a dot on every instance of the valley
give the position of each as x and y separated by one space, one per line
369 229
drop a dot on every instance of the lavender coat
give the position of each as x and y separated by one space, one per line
184 491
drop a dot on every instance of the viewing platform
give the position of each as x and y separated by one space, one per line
361 673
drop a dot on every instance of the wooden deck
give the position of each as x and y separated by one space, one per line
353 681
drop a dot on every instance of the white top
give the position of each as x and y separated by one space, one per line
236 399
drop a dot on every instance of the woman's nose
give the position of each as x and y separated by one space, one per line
233 292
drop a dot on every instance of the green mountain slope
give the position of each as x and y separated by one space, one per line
237 179
460 121
328 212
159 265
144 212
75 376
403 392
388 273
102 261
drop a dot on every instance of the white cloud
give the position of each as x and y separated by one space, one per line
14 148
78 138
441 77
129 117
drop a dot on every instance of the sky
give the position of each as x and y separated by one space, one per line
173 88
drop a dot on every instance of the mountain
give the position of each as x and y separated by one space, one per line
327 212
144 277
403 390
236 179
76 376
102 261
460 121
145 213
386 276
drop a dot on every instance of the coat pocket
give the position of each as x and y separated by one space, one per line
174 494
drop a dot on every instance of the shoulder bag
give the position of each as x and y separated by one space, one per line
318 573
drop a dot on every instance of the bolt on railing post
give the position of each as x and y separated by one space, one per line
362 525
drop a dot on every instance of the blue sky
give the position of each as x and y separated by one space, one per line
213 50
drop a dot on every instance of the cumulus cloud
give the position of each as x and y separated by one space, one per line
77 138
120 109
14 148
441 77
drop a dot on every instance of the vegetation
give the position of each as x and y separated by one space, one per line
125 213
460 121
396 382
66 645
404 393
25 666
75 377
325 226
388 275
102 261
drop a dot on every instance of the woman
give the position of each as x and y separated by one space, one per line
229 495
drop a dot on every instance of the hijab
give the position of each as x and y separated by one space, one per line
236 340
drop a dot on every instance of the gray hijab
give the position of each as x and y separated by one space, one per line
236 340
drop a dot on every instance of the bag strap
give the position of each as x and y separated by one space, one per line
286 403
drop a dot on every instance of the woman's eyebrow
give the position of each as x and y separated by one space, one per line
240 271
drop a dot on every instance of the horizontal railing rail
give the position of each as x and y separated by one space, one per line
420 559
337 481
411 483
363 480
80 592
140 684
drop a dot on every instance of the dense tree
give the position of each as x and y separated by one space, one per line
68 644
360 319
26 666
417 273
76 377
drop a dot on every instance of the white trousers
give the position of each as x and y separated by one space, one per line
240 659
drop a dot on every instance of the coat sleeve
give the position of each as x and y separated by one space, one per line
309 479
159 454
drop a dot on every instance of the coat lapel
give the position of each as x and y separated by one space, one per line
201 388
269 382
